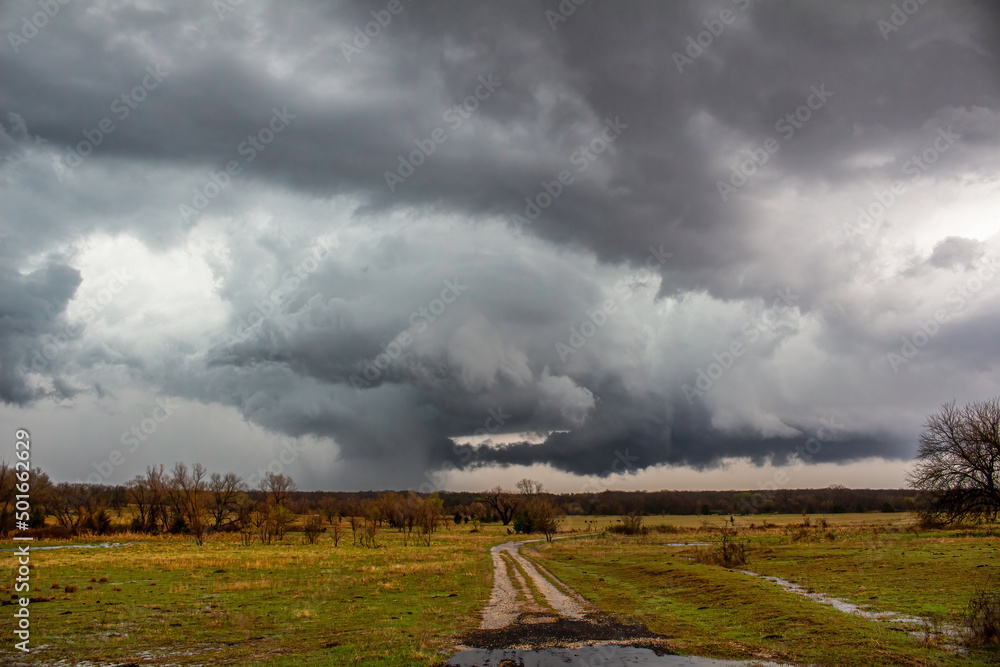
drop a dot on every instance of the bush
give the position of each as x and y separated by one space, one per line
523 523
631 524
729 552
666 528
983 614
178 526
313 527
37 518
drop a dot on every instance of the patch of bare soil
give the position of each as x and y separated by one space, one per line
566 633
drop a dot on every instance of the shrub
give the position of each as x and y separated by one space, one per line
729 552
631 524
666 528
523 523
983 614
313 527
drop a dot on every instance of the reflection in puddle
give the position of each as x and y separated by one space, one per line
606 655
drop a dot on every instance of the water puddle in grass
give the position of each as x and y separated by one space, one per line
103 545
847 607
605 655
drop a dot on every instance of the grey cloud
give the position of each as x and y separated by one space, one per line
680 133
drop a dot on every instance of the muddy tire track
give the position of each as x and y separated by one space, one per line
529 607
510 602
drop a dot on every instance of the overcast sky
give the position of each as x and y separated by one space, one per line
452 244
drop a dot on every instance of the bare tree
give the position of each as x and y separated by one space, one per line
313 527
958 463
355 522
278 488
246 509
140 495
225 489
157 483
428 516
189 491
504 503
545 516
529 488
335 530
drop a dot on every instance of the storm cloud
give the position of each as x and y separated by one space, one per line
462 235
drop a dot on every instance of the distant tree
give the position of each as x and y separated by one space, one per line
544 515
225 489
335 530
958 463
529 488
429 516
330 509
370 525
632 523
313 527
191 492
277 488
246 514
504 503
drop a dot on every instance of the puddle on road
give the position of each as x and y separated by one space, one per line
606 655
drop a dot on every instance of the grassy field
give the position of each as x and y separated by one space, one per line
869 559
167 600
290 603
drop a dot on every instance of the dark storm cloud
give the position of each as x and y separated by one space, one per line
611 114
30 309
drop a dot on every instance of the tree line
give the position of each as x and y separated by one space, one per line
956 477
192 501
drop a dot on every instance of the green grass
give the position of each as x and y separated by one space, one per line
708 610
291 603
285 604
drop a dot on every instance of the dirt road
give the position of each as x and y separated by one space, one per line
530 607
524 591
